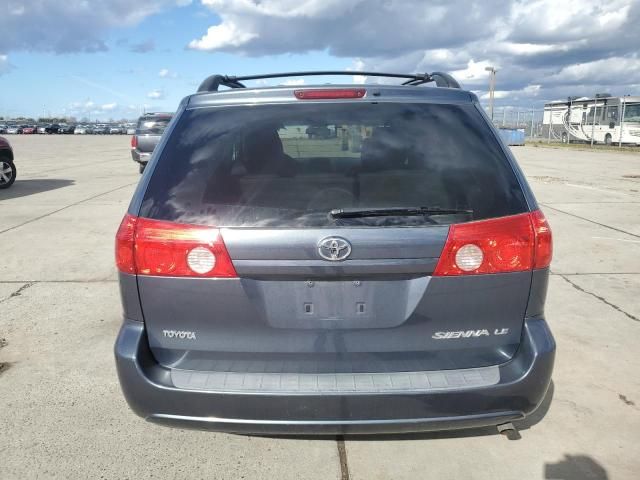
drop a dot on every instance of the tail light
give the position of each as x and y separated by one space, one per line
544 240
508 244
330 94
159 248
134 141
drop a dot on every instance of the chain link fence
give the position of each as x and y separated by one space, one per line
529 120
579 126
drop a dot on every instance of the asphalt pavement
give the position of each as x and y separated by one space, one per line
62 414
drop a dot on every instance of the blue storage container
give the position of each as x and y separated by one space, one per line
512 136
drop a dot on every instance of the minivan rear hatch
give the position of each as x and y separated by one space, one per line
334 216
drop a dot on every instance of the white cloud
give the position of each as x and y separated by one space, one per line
102 111
473 71
606 70
221 36
166 73
542 48
345 27
70 25
5 66
156 94
358 65
539 46
497 94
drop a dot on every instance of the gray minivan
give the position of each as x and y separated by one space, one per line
388 275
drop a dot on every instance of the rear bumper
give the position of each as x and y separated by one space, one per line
140 157
151 394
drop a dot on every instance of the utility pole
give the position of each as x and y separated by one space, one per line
492 87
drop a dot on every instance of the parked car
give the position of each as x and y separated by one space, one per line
273 283
65 129
148 132
7 166
83 130
320 132
131 129
100 129
53 128
14 129
29 129
42 129
3 128
115 130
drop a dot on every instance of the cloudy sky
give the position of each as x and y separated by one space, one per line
112 58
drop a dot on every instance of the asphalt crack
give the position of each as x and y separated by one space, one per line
79 202
4 366
586 274
72 280
17 293
626 401
546 205
602 299
342 454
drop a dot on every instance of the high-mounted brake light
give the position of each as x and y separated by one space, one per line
134 141
330 94
159 248
508 244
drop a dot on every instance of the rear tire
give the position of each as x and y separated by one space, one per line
142 167
7 173
607 139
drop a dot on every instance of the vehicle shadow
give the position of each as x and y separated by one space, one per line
24 188
575 467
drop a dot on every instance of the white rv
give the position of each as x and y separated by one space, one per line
606 119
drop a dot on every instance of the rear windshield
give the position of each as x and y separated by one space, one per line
291 165
152 125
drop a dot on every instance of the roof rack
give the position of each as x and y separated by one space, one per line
441 79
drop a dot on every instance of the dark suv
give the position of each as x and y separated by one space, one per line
386 275
149 130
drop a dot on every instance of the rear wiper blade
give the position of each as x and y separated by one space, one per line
394 212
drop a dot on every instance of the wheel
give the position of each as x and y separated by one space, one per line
7 173
565 138
607 139
142 167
